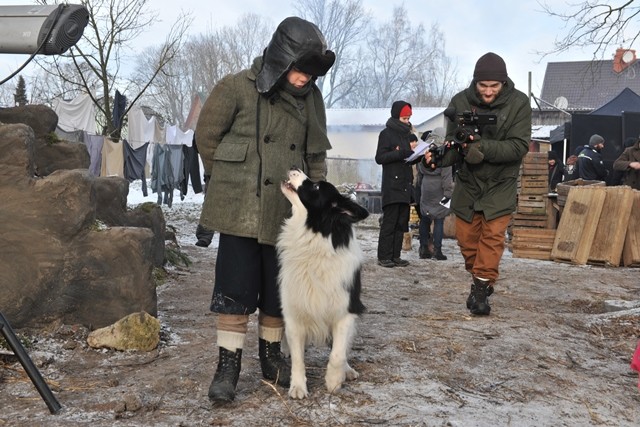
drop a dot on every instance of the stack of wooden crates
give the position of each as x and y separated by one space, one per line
532 228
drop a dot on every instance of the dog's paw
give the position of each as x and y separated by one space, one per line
351 373
298 391
334 379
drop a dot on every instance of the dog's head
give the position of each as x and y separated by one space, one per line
328 212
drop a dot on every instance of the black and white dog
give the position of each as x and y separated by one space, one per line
320 263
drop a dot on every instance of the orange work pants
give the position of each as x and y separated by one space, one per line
481 243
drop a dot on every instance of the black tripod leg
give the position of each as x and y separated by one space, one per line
28 366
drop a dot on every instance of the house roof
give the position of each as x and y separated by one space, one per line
541 132
586 85
377 117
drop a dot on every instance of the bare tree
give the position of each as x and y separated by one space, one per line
344 25
597 24
97 57
394 51
201 63
435 80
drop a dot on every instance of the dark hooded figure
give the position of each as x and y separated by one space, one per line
556 171
254 126
395 143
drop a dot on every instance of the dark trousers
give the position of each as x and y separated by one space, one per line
424 230
395 222
246 277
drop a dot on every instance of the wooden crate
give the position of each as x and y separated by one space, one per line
631 250
534 184
535 169
541 158
612 227
578 224
532 243
535 164
563 188
531 204
529 220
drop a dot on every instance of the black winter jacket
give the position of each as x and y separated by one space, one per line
397 174
590 165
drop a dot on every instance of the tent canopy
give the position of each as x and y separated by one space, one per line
626 101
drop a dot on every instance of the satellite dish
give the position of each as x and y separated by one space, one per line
628 56
561 103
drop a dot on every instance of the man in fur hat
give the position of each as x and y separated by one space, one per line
489 161
254 126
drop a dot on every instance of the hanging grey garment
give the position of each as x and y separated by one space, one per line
134 163
176 157
71 136
94 147
162 174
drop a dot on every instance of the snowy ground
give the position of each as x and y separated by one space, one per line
548 355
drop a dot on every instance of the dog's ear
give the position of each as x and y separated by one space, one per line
354 211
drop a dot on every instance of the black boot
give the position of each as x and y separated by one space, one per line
424 252
223 386
439 255
272 362
478 299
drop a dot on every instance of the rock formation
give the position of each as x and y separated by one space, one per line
70 250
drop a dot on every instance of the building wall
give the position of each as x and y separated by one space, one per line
353 171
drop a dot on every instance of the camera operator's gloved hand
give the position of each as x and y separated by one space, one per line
472 153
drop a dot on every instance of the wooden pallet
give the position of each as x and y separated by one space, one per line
529 220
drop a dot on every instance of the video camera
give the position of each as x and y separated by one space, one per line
469 123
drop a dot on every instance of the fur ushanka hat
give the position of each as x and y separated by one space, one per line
295 43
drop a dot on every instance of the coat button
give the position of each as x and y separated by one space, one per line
267 139
267 182
292 147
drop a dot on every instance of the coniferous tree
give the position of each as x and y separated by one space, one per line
20 97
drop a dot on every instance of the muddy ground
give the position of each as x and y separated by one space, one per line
547 356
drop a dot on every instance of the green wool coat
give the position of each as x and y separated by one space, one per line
243 195
492 185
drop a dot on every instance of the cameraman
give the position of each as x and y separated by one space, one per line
485 192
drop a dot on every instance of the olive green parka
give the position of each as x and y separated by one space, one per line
491 186
243 194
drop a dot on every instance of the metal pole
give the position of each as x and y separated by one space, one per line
29 367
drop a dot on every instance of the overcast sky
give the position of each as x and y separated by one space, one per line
514 29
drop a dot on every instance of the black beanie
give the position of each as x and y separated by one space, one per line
490 67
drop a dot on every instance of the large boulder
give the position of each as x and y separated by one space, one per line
50 153
57 261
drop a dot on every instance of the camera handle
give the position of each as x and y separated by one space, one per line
29 367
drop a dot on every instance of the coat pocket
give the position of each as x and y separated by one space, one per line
228 152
